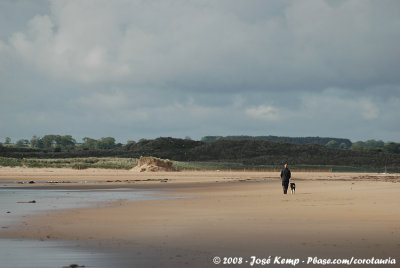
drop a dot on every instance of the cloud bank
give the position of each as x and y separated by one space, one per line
134 69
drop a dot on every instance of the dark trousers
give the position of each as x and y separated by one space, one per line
285 185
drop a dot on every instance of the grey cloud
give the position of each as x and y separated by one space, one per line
14 15
306 44
157 68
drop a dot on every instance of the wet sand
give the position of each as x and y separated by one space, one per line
232 214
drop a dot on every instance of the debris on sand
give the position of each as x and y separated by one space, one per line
29 202
74 266
24 182
153 164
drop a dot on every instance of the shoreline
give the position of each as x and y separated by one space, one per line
96 176
227 214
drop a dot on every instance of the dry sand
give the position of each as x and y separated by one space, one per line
232 214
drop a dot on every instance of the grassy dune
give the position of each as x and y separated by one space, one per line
128 163
76 163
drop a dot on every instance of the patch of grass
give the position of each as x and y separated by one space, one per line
128 163
210 165
10 162
272 168
115 163
76 163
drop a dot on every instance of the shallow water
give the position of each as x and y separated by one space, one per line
16 253
23 253
15 203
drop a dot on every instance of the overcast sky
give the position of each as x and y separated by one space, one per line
145 69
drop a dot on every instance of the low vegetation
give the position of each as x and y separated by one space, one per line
223 153
129 163
76 163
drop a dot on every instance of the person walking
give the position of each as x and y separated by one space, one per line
285 177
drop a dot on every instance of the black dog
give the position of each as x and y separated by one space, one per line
293 187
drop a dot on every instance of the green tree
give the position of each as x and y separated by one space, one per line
369 145
90 143
332 144
343 146
106 143
359 145
22 143
392 147
374 143
49 141
36 142
67 142
7 140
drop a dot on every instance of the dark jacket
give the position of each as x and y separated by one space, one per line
285 174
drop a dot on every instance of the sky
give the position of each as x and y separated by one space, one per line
192 68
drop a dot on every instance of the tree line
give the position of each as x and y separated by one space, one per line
239 152
330 142
60 143
337 143
68 143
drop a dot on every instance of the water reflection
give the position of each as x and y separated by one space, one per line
25 253
18 202
48 254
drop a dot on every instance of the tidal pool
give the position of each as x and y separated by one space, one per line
26 253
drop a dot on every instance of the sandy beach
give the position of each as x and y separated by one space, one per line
221 214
